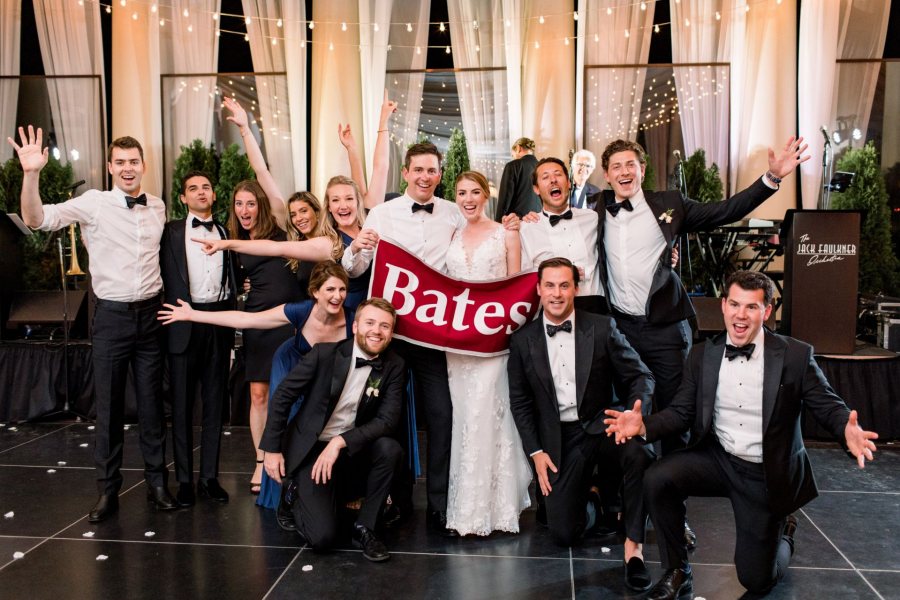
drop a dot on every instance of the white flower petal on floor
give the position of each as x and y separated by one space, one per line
51 471
82 445
61 463
102 557
9 515
18 555
307 568
88 534
149 534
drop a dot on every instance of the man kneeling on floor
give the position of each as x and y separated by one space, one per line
741 396
340 446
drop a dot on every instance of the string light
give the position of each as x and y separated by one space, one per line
190 29
108 9
575 15
343 27
541 20
186 13
409 27
246 37
375 27
441 27
331 46
537 45
656 28
608 10
475 25
643 6
627 33
566 41
279 23
687 22
447 51
122 3
153 8
247 20
215 16
312 25
274 41
162 22
134 16
718 16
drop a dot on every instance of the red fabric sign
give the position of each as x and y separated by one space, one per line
437 311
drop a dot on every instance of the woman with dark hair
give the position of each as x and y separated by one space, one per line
323 318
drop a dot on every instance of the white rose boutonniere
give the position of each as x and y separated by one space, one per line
666 217
372 387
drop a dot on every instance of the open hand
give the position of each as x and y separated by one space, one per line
625 424
172 314
31 155
789 157
859 441
366 240
388 107
238 114
346 136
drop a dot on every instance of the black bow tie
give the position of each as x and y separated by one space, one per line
614 207
554 219
142 199
732 352
375 363
429 208
198 223
564 326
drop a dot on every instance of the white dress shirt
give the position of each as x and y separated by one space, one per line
426 235
123 243
737 417
343 418
575 239
634 243
204 270
561 349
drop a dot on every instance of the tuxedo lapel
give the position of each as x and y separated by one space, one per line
342 355
773 357
657 208
584 356
712 362
178 250
540 360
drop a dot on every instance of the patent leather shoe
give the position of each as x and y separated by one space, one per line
690 538
284 516
676 584
637 577
107 505
364 538
185 495
161 499
437 521
211 490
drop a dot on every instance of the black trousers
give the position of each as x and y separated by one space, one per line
205 363
761 554
429 368
367 473
566 505
128 335
664 349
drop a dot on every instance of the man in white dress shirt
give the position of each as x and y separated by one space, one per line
121 229
742 397
562 231
424 225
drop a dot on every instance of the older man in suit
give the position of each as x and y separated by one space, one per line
340 446
561 371
198 353
584 193
741 397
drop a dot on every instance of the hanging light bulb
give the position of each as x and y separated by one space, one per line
537 45
274 41
375 27
447 50
409 27
246 37
331 45
162 22
608 10
656 28
279 23
215 16
643 6
186 13
566 40
541 19
441 27
153 8
627 33
343 27
312 25
575 15
247 20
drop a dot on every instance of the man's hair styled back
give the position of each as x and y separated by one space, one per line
420 149
195 173
377 303
622 146
556 262
543 161
751 281
125 143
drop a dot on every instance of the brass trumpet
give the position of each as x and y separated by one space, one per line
74 267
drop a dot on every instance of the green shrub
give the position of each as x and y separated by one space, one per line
455 162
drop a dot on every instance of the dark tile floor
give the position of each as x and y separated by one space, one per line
848 542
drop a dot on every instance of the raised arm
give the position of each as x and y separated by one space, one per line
237 319
33 158
381 160
314 250
257 162
357 173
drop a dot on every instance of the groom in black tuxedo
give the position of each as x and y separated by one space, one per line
198 353
340 446
741 397
561 372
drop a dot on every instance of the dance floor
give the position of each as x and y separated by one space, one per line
847 545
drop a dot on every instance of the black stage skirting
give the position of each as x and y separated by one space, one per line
33 386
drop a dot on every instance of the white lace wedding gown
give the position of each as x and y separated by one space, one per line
489 472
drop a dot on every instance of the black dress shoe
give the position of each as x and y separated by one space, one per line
395 514
161 499
676 584
372 548
690 538
437 520
107 505
185 495
211 490
790 528
637 577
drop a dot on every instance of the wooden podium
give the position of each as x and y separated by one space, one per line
821 278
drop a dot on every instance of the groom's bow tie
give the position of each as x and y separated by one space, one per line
564 326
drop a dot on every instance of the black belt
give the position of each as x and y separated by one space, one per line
154 301
212 306
618 314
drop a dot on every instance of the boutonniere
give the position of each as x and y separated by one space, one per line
666 217
372 386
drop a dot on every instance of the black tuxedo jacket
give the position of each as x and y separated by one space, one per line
516 193
791 381
319 377
173 266
601 354
590 193
668 301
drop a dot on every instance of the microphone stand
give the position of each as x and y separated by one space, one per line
827 168
62 275
681 186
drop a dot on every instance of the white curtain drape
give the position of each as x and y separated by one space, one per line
295 49
838 96
10 34
189 45
373 55
274 108
72 44
406 60
613 96
702 91
483 98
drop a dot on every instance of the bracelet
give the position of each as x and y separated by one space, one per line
382 130
771 177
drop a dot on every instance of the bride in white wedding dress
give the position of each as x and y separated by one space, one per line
489 473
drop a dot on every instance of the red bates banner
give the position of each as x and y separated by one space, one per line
441 312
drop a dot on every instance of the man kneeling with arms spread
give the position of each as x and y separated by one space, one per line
741 397
341 444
